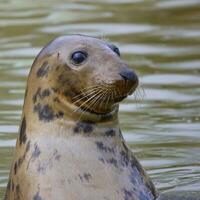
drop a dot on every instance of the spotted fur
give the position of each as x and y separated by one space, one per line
22 134
70 145
43 70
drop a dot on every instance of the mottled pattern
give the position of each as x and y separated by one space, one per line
102 147
128 194
43 70
61 152
124 158
85 177
112 161
20 160
110 132
22 134
45 112
82 126
36 95
36 151
40 94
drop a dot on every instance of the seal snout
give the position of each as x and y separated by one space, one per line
129 75
131 78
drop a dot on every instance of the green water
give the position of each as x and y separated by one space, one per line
159 39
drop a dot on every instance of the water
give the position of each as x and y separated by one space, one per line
159 39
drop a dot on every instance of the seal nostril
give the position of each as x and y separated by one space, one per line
123 76
128 75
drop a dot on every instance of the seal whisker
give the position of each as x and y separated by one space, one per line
85 96
87 101
104 93
139 94
86 90
91 87
97 99
91 103
108 98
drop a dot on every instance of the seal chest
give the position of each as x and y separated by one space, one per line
70 146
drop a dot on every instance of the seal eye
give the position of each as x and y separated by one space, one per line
116 50
78 57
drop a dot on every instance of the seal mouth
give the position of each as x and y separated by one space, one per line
120 98
101 99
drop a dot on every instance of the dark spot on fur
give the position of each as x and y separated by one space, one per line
56 155
19 162
42 71
87 176
81 178
45 112
22 134
41 94
124 158
112 161
15 167
128 194
36 95
45 93
37 196
110 133
135 163
36 151
102 147
83 126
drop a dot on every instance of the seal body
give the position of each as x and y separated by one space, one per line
70 146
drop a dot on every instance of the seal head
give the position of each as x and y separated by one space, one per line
86 74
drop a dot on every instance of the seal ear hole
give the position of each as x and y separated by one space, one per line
78 57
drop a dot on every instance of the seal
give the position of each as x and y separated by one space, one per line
70 145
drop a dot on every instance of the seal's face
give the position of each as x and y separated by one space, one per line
88 72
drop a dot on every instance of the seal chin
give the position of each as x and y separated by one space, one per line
120 98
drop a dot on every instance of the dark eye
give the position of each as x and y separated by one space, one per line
78 57
116 50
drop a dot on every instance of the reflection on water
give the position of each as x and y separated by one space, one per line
160 39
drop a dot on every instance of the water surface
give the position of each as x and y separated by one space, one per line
159 39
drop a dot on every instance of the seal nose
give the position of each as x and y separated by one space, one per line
129 75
